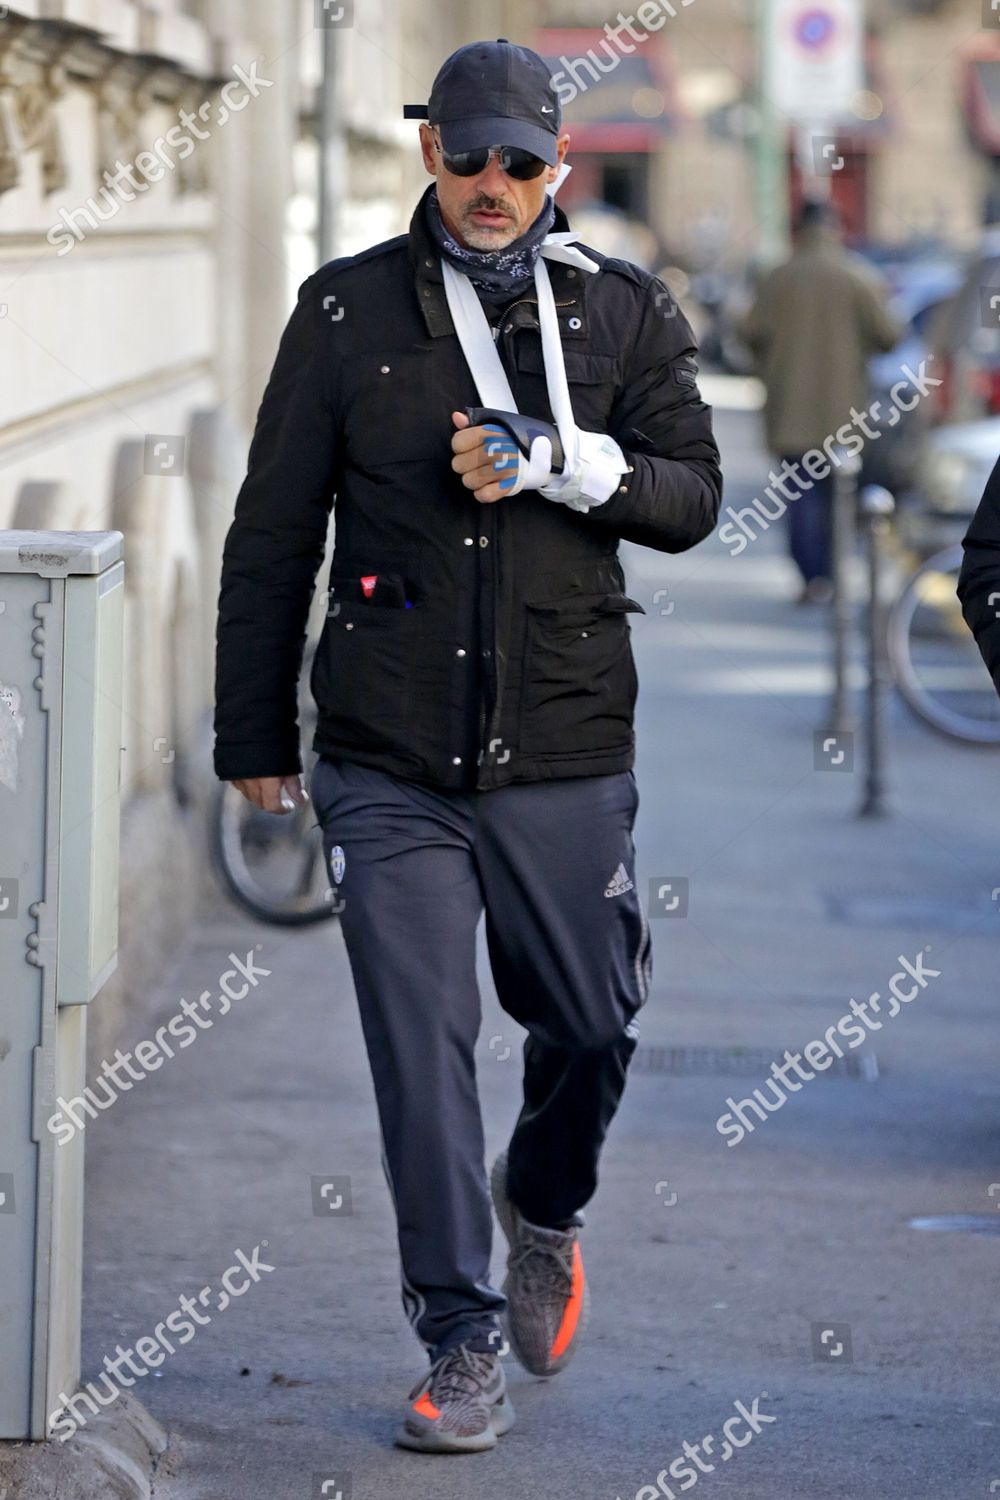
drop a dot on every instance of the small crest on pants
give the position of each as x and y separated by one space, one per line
338 863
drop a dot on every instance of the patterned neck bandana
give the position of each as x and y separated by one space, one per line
493 271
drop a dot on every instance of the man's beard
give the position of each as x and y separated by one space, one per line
479 236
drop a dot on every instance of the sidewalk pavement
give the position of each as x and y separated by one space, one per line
780 1270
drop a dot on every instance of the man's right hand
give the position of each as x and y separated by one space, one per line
265 792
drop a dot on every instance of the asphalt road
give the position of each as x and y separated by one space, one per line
781 1268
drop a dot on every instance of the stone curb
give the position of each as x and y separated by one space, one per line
113 1458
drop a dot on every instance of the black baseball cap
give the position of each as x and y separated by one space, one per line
494 94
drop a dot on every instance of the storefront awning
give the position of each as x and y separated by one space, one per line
613 100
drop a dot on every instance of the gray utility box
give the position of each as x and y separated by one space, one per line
61 684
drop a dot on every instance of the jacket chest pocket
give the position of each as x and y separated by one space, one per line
593 381
398 411
579 681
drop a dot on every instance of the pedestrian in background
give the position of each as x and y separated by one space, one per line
816 320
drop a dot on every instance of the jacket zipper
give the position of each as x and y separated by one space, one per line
533 302
530 301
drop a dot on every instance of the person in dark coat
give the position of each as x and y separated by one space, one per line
475 689
814 324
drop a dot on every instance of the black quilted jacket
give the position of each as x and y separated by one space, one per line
496 645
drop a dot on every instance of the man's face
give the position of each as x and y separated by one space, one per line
490 210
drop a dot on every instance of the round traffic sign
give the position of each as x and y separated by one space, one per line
814 28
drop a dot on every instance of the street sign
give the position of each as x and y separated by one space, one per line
813 63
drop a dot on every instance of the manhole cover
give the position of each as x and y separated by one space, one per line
960 1223
948 911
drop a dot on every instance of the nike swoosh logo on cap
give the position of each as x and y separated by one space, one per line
546 109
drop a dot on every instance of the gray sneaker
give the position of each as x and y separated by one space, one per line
548 1300
459 1406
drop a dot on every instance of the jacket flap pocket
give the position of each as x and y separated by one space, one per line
581 368
587 604
620 604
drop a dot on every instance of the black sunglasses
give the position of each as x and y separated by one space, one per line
513 160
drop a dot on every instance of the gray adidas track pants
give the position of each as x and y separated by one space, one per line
553 865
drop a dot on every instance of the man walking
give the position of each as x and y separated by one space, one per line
475 689
814 323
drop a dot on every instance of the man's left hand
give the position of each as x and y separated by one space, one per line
478 468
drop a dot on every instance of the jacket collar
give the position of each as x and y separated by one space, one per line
425 259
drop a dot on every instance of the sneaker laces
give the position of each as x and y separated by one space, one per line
457 1372
544 1267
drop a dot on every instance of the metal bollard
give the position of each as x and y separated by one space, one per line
842 533
877 506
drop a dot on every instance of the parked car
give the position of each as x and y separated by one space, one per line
920 289
950 474
965 340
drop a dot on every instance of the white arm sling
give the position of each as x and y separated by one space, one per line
594 461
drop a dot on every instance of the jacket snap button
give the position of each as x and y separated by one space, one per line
385 369
584 632
575 323
623 489
456 760
460 651
484 541
349 625
470 541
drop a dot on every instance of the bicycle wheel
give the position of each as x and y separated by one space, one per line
273 863
935 659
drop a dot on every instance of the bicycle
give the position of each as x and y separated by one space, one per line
934 656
